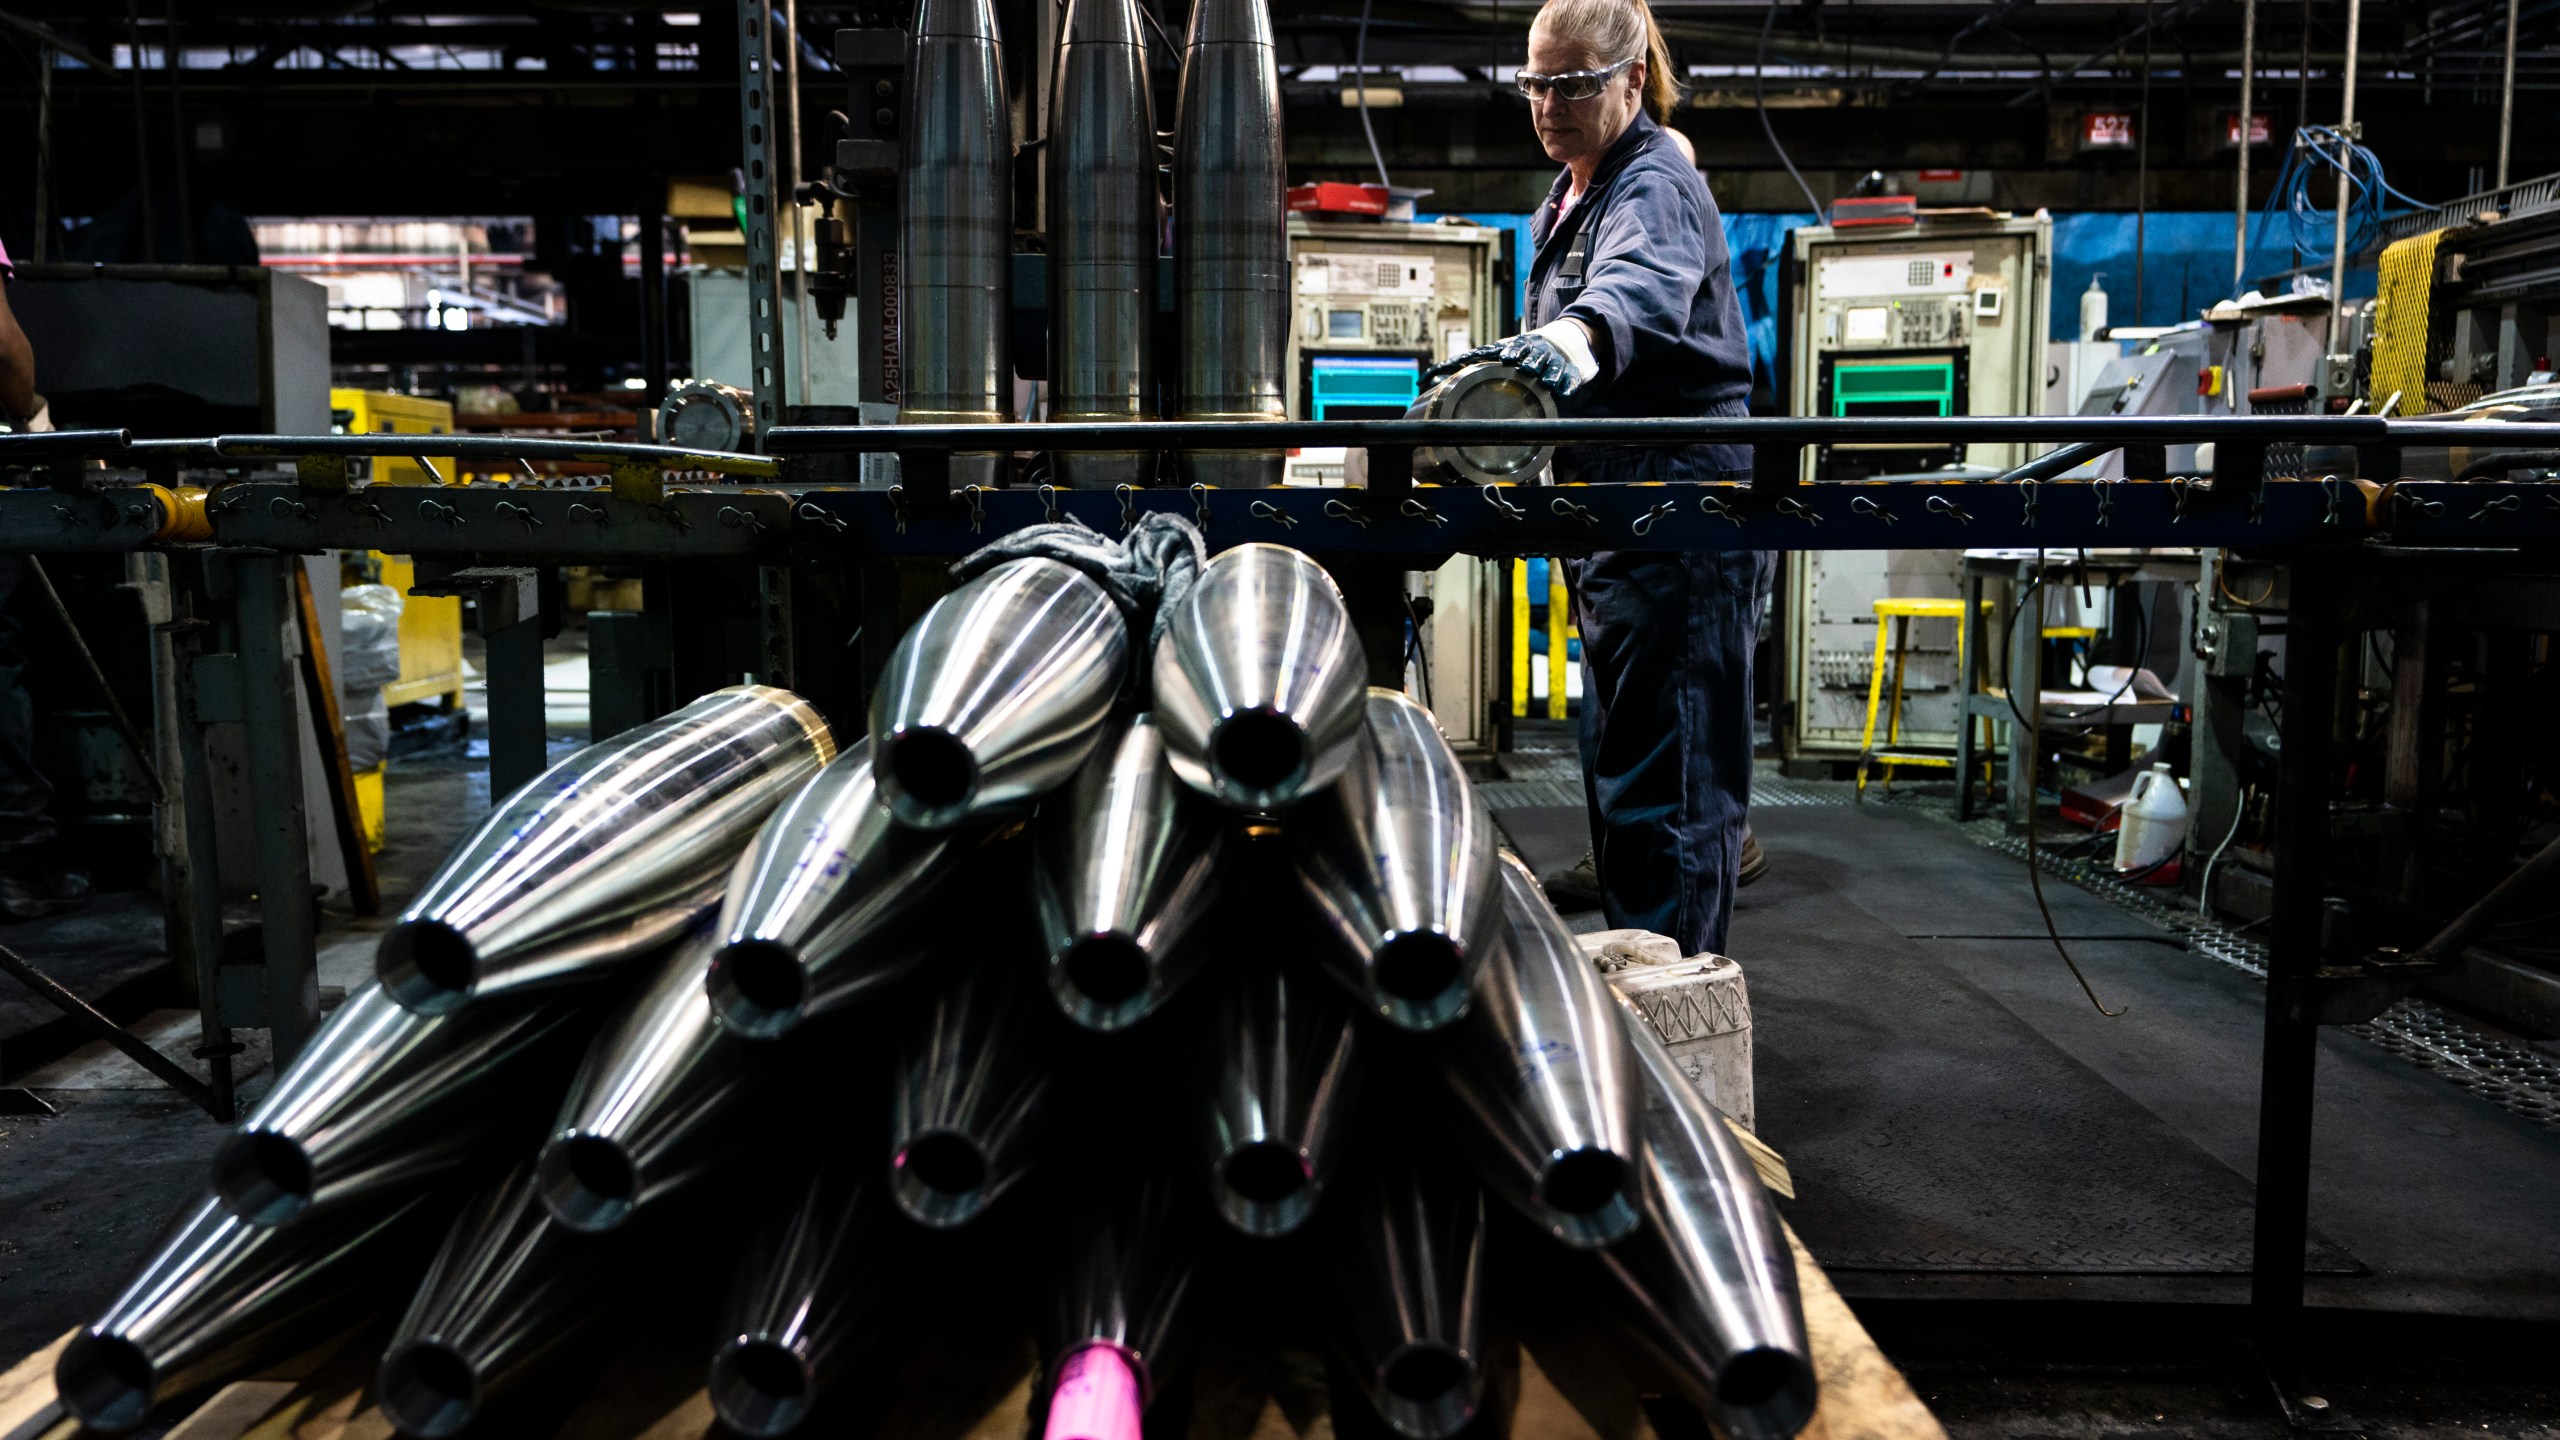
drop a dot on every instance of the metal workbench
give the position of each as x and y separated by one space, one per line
271 496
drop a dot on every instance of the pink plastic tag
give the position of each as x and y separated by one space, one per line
1096 1399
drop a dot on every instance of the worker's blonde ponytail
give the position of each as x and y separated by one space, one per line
1611 31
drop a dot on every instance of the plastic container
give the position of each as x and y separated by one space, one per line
2093 308
1697 1004
2153 826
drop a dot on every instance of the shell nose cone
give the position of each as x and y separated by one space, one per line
588 1182
1259 752
1427 1391
106 1380
1230 22
957 20
760 1388
1266 1188
427 965
929 776
757 987
1101 22
1591 1193
429 1390
263 1177
1766 1377
940 1180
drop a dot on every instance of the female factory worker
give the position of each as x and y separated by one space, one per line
1632 313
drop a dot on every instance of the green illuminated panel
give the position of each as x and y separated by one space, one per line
1856 385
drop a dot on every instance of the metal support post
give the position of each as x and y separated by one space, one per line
2026 693
2240 190
653 298
2507 97
272 713
2346 190
2313 631
756 104
1373 591
510 624
1976 638
191 878
776 634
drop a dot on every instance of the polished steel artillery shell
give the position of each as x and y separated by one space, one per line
1398 862
1489 390
1231 235
639 828
1540 1069
1123 1271
384 1097
1408 1269
1125 866
955 262
1103 227
997 694
510 1286
221 1296
974 1081
814 1288
1280 1067
1259 677
1708 1278
654 1108
822 910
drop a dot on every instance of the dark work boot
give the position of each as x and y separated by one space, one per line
1577 887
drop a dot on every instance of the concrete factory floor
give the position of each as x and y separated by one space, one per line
2041 1213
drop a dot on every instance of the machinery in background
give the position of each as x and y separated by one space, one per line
178 349
2467 310
1372 305
1944 317
430 625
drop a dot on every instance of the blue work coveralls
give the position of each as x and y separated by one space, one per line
1666 636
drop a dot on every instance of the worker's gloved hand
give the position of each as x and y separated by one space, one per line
1559 355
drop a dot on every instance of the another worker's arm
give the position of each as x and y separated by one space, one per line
18 402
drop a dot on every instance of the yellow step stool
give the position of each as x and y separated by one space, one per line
1902 611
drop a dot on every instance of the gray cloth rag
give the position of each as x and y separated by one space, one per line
1147 573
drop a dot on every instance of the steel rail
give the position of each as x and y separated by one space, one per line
2111 431
35 448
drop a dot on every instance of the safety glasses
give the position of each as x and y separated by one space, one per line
1571 84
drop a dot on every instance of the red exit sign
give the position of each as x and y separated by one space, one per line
2106 130
1941 177
2260 130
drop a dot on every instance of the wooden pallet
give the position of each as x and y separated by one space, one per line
324 1395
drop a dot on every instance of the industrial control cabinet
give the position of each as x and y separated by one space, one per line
1946 317
1372 304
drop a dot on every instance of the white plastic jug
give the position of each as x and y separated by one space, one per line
2093 308
2153 825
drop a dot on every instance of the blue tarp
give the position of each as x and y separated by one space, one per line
1758 244
2186 267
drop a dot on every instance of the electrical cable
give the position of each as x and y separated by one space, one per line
1415 651
2239 812
1760 102
2311 227
1360 67
2035 882
1162 34
2026 735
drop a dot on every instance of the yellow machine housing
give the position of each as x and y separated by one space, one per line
430 626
